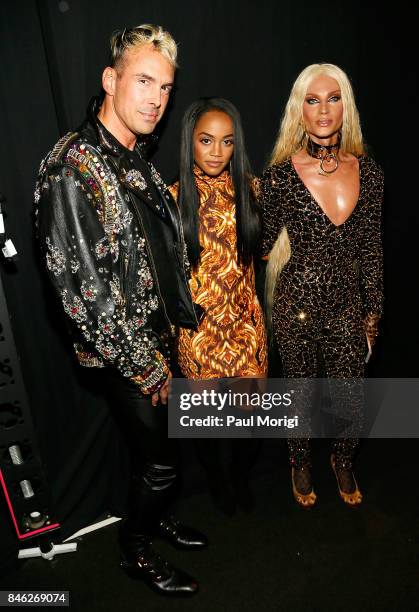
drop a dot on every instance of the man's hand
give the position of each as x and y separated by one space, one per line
162 394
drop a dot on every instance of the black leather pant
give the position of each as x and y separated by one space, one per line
155 457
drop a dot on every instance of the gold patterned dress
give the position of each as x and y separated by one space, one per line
231 339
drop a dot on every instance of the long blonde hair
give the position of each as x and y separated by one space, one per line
278 257
291 137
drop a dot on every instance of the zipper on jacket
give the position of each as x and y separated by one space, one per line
127 285
123 274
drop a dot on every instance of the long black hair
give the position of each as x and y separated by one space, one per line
247 214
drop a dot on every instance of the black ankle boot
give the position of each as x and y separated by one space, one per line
158 574
181 536
142 562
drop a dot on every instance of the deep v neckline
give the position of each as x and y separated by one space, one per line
316 203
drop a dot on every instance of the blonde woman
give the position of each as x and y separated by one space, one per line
321 197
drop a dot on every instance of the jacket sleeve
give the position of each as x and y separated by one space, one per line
371 248
85 269
270 199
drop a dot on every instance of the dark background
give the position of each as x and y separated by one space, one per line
52 56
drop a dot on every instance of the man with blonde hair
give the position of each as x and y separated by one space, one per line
113 245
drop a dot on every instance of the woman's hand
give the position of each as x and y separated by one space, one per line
371 327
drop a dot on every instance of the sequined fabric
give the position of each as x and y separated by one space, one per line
92 203
230 340
332 280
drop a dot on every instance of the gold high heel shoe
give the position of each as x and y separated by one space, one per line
305 500
351 499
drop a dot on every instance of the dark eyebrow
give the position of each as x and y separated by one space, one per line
212 136
152 79
335 91
145 76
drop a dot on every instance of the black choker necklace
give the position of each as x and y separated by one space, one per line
326 153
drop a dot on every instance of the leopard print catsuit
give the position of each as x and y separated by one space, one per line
332 280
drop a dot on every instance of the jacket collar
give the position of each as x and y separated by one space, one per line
145 142
131 178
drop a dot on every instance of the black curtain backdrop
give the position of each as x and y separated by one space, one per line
52 57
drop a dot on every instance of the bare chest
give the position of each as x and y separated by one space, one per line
336 194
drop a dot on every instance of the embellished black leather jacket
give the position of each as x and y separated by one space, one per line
101 216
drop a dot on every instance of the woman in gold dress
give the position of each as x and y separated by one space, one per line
222 229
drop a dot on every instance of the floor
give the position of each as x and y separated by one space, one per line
278 557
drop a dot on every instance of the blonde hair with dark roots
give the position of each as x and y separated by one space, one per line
146 34
292 136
